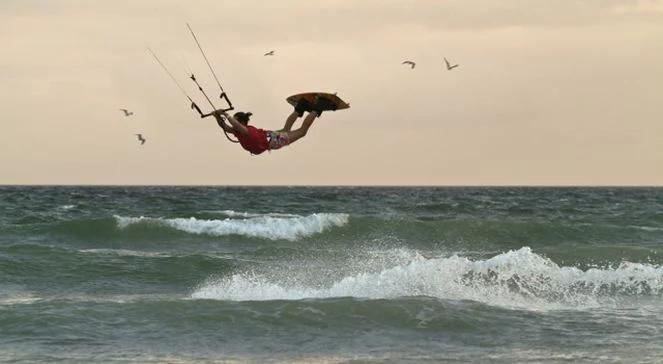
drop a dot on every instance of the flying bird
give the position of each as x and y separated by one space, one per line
127 112
449 65
412 64
141 139
270 53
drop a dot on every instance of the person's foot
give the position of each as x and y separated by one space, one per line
302 106
323 104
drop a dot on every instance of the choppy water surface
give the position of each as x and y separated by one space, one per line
331 274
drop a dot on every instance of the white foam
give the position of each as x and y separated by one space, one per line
519 278
11 301
291 227
10 296
646 228
232 213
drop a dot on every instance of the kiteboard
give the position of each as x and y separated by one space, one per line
311 98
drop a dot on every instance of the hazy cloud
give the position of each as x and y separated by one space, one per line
547 91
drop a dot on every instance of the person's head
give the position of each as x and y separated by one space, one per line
242 117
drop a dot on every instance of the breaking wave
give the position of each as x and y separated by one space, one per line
519 278
288 227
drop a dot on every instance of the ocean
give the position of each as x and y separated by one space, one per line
331 274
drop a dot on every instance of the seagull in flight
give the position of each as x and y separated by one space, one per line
127 112
449 65
412 64
141 139
270 53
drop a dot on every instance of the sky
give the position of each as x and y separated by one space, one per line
546 92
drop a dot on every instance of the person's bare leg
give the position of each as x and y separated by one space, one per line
290 121
301 132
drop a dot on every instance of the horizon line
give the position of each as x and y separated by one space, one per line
340 185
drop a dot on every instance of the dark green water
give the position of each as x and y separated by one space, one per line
331 274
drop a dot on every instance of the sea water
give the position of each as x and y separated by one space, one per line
331 274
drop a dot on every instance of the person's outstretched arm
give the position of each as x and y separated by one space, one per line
222 123
237 126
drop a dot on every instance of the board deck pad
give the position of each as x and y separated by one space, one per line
310 97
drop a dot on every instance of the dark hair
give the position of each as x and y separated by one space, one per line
243 117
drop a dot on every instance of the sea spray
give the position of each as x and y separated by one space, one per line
518 278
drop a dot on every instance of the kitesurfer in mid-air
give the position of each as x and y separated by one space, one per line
257 140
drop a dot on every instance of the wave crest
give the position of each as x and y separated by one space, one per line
518 278
291 227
